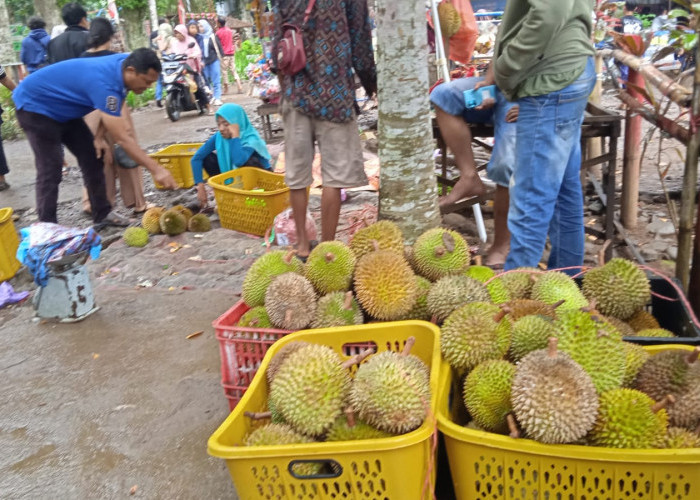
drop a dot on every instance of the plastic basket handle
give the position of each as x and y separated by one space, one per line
330 469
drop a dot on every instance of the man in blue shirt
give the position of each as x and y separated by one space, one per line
50 106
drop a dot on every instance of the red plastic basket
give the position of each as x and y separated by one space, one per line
242 350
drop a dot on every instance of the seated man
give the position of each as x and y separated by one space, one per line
454 118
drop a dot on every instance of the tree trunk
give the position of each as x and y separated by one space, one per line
7 55
408 189
136 37
153 13
49 12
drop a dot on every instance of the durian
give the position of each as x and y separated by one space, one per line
685 412
486 394
151 220
290 301
337 309
622 327
635 357
263 270
553 398
619 288
186 212
451 292
450 19
348 428
385 285
529 333
655 332
173 222
135 237
519 308
386 234
420 308
677 437
275 435
255 318
199 223
554 286
497 290
280 357
440 252
329 267
475 333
669 372
642 320
519 282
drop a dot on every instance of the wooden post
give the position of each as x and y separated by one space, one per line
631 158
694 288
690 181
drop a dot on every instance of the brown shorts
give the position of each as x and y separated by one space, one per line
341 151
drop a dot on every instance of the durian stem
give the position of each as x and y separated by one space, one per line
601 253
499 315
330 257
358 358
602 333
375 244
434 319
693 356
288 316
289 256
410 342
262 415
558 303
448 241
552 347
350 416
505 308
478 259
668 399
347 305
512 426
439 251
591 306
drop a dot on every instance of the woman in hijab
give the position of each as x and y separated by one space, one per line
236 144
211 54
162 41
182 43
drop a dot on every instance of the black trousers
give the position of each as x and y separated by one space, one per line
45 136
4 170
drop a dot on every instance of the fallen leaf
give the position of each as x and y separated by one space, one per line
186 246
95 355
198 236
133 489
248 251
195 334
196 258
171 288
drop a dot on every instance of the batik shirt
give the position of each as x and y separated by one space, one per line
337 39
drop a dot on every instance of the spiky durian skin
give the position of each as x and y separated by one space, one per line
275 435
385 285
420 308
280 357
450 19
619 288
310 388
677 437
173 222
199 223
635 357
331 312
392 392
255 317
329 267
341 431
553 286
519 282
642 320
685 411
386 233
519 308
622 327
529 333
290 301
471 335
553 398
433 260
486 394
186 212
262 272
151 220
656 332
626 420
497 290
451 292
667 372
135 237
594 344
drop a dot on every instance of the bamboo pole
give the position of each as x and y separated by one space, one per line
690 182
671 89
667 125
631 160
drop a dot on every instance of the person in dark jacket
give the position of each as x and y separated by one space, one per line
74 41
35 45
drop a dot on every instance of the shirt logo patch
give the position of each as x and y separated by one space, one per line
112 103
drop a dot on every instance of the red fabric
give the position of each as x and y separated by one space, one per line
463 42
226 37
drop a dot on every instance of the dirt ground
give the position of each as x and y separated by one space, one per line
122 400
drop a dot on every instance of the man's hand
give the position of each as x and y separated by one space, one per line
486 104
512 114
202 196
163 177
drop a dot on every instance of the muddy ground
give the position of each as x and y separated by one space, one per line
123 402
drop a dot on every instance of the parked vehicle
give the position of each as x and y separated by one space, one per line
180 85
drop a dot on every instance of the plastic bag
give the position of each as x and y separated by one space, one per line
286 230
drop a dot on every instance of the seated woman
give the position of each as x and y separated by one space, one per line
180 44
236 144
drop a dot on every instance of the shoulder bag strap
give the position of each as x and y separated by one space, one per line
307 13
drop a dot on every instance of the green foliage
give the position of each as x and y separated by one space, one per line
138 101
248 52
10 127
19 10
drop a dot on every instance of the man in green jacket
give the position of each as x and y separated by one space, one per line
543 61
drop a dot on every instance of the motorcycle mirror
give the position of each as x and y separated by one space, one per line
191 44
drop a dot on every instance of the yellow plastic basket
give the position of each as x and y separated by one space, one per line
393 468
241 208
491 466
9 241
177 159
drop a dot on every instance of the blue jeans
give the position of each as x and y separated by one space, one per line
545 189
159 87
212 74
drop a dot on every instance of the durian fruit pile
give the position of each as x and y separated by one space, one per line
551 364
313 397
173 221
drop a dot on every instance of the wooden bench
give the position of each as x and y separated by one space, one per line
265 110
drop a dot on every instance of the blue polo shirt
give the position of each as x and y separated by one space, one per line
71 89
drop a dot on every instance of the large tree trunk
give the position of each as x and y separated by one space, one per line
49 11
7 55
408 189
136 37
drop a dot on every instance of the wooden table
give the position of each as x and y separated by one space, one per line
265 110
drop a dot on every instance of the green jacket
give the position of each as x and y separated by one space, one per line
542 46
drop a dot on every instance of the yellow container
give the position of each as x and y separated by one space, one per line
177 159
396 468
9 241
491 466
241 207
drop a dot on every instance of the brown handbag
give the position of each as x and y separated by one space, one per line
291 58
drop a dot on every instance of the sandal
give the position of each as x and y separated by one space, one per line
144 210
312 244
113 219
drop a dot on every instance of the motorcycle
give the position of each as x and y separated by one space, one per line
180 86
